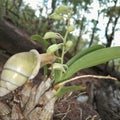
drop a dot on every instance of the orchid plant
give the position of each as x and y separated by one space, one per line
62 72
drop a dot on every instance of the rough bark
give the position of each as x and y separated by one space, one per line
27 105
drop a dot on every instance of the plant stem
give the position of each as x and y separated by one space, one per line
64 42
63 49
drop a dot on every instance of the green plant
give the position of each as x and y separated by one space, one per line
60 71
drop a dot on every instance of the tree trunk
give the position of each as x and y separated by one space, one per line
14 40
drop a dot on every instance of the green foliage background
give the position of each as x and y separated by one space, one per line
24 17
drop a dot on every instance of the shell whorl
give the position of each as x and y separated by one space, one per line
18 69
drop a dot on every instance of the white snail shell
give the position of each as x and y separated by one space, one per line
19 68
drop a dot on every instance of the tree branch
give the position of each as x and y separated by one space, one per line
13 40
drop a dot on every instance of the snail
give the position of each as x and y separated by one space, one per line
22 67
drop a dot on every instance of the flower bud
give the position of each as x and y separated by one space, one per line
53 48
70 28
58 66
56 16
69 44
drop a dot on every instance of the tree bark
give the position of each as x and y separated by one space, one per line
94 30
13 40
110 37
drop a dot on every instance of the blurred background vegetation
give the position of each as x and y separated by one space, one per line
88 26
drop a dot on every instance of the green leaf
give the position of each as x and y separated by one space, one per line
91 59
84 52
64 90
49 35
40 39
57 74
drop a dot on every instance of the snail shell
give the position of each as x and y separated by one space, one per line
21 67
